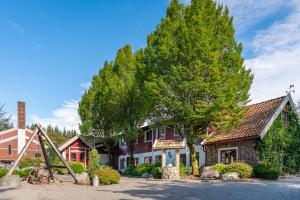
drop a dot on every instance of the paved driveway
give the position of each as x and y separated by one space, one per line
135 188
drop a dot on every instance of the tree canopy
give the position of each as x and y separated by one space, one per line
4 119
190 74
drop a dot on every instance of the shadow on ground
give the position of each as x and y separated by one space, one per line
283 189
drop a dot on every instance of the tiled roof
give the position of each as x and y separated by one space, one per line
255 118
168 144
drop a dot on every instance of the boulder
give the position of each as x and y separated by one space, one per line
208 173
83 178
10 181
146 175
230 176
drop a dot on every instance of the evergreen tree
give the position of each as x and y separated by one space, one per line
196 72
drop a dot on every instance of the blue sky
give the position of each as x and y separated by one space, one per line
50 49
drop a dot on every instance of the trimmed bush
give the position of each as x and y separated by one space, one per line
130 170
244 170
221 168
3 172
143 168
156 172
21 173
107 176
94 165
77 167
183 170
267 171
29 162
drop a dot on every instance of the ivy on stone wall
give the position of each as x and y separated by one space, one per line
281 145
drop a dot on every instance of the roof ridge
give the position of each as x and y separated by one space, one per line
267 101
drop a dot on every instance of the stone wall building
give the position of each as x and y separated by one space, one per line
240 143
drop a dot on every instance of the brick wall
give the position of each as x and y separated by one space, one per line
247 151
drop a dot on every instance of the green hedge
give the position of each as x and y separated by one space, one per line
143 168
156 170
77 167
107 176
184 170
22 173
130 170
29 162
3 172
244 170
267 171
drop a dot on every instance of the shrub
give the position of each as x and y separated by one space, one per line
156 171
267 171
58 162
130 170
244 170
221 168
93 162
107 176
77 167
143 168
3 172
28 162
183 170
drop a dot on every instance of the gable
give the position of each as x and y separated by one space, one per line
257 120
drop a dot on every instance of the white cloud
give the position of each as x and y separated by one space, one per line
249 12
276 64
63 117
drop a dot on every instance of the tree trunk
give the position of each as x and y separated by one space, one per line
131 158
194 160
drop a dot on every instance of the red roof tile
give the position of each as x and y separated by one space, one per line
255 118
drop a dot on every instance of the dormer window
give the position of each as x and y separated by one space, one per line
161 132
148 136
122 142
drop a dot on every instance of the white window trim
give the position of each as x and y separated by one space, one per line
120 143
229 148
164 128
145 140
174 130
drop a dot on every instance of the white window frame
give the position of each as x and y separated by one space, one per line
174 129
120 143
229 148
162 127
145 133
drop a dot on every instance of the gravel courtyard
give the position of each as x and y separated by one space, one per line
137 188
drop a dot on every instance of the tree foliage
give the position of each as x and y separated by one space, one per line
190 74
281 145
4 120
196 71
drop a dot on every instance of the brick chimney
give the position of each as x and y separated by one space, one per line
21 126
21 115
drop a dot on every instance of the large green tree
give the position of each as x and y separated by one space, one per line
130 96
196 71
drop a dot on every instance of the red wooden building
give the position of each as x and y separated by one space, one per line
13 140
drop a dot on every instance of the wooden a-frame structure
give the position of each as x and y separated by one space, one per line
42 135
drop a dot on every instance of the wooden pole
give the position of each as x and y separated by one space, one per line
59 154
22 152
46 156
